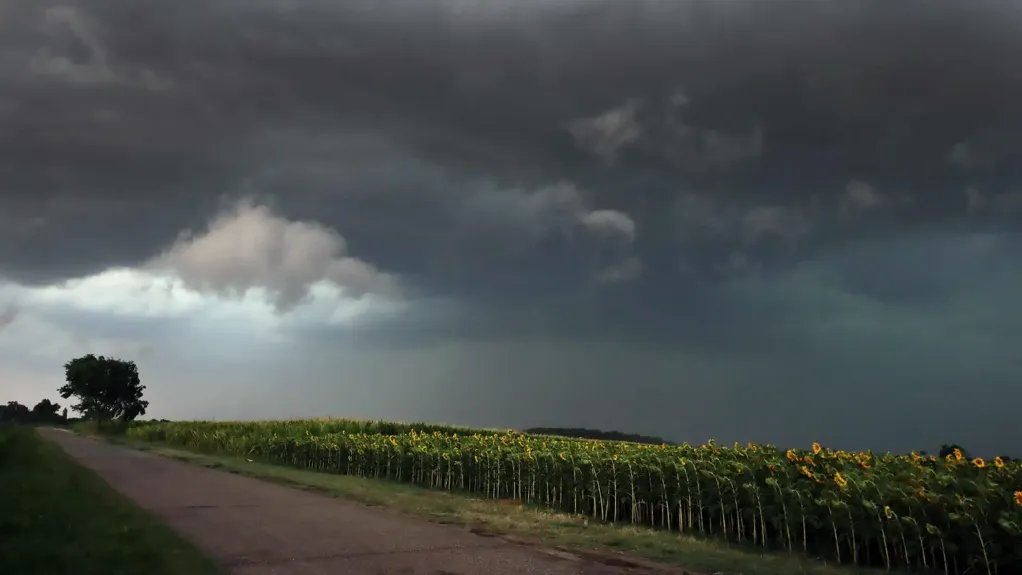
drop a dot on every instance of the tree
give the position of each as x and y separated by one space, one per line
106 388
46 412
14 412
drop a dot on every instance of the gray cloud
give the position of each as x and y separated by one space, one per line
8 314
790 187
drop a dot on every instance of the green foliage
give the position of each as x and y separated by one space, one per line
106 388
912 511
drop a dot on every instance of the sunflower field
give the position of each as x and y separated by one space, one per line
921 513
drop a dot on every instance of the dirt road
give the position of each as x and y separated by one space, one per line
257 528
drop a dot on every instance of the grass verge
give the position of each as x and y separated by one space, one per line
58 517
622 545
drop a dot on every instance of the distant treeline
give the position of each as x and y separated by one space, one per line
44 412
584 433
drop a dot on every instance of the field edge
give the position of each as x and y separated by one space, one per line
619 545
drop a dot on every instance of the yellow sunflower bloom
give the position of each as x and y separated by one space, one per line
841 481
816 448
1018 498
998 462
978 462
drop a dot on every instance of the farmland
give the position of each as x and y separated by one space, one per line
914 512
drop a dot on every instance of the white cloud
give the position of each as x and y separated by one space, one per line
250 248
252 279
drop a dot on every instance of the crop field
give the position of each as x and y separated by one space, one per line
921 513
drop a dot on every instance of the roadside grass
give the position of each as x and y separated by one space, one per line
58 517
621 544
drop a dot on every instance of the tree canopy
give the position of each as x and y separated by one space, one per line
106 388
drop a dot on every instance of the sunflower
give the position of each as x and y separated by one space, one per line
842 482
1018 498
816 448
791 455
805 471
998 462
958 454
978 462
888 512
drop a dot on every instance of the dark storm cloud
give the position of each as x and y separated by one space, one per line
738 137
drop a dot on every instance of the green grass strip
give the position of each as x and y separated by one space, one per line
57 517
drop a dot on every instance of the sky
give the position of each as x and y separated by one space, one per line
781 222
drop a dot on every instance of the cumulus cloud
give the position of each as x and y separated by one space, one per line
250 247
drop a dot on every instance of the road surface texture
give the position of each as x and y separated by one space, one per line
253 527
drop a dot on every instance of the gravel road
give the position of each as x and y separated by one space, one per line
253 527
